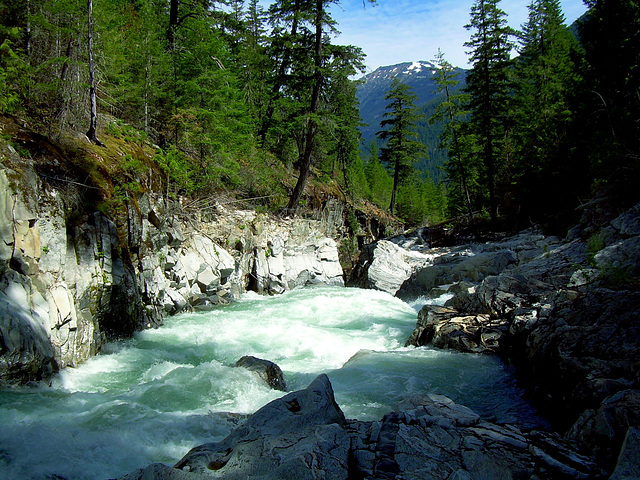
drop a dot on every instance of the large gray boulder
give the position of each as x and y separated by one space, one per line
300 435
304 435
385 265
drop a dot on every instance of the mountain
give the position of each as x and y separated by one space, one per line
421 77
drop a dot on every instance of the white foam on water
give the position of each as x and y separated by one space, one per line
153 397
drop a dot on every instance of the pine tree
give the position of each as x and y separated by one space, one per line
297 108
461 167
378 179
401 149
489 85
547 76
345 118
253 61
93 108
12 69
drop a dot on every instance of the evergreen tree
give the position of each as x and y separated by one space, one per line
304 162
297 110
253 62
401 149
344 136
461 166
135 64
55 53
92 133
489 85
12 69
380 183
546 79
610 35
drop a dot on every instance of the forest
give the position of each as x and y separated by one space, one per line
261 102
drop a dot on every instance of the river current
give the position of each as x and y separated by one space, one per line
153 397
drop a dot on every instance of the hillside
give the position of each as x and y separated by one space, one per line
421 77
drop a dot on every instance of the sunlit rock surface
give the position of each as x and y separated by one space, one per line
71 278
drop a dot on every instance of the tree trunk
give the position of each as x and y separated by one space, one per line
173 24
91 134
396 181
305 160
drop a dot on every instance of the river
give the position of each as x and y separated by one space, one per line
153 397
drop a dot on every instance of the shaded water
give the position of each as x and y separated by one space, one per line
153 397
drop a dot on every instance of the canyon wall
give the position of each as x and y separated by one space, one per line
73 277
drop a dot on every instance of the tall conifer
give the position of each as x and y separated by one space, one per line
461 166
402 148
546 73
489 85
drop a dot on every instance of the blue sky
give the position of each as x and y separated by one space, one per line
396 31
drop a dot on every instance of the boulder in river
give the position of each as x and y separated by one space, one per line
304 435
266 369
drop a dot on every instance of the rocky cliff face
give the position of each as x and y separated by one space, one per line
71 277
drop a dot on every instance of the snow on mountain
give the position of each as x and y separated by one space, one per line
421 77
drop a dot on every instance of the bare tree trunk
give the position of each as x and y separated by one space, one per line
173 23
91 134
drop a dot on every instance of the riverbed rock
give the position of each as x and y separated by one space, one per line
385 265
300 435
268 371
568 317
446 327
628 464
304 435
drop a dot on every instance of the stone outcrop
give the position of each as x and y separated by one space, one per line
72 277
386 264
268 371
567 314
407 265
446 327
304 435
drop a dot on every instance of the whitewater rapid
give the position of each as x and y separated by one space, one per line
153 397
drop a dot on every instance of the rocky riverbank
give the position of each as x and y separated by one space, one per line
72 277
566 312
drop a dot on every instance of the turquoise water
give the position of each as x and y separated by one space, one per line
153 397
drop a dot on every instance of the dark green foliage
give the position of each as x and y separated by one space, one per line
401 148
489 85
462 166
547 77
230 106
610 101
421 201
11 70
379 182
